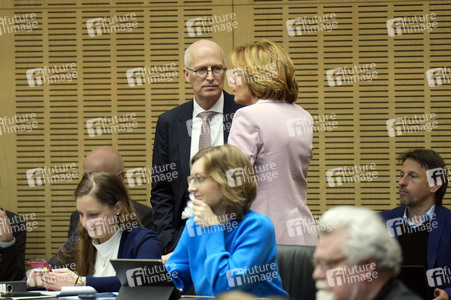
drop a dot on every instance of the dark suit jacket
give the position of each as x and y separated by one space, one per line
396 290
12 259
439 242
172 145
143 212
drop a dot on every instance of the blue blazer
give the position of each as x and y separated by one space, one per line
439 243
138 243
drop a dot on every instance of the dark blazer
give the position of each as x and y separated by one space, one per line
439 243
143 212
12 259
396 290
172 145
137 243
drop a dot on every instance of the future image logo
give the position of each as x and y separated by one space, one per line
411 25
439 276
347 275
309 125
258 273
123 123
225 222
437 176
51 75
396 226
149 276
143 75
411 124
438 76
208 25
354 174
18 23
349 75
18 123
309 25
107 25
54 174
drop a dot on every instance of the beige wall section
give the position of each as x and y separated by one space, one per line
102 90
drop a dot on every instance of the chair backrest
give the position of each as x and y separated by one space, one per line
296 270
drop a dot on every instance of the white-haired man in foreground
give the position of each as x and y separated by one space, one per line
356 259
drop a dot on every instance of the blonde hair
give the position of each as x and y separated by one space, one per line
221 163
267 69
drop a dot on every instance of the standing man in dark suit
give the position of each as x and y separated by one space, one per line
180 134
12 246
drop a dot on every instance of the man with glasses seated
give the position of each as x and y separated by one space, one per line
182 131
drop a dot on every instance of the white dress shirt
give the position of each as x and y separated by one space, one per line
217 138
106 251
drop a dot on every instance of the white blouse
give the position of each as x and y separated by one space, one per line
106 251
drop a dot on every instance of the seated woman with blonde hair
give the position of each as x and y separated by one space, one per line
225 246
108 229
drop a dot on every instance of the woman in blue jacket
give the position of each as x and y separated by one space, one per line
109 229
225 246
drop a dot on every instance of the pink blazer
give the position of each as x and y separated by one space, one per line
277 138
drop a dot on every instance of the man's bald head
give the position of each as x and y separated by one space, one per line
104 158
194 47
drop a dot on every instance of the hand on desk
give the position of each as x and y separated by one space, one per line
52 281
6 233
59 277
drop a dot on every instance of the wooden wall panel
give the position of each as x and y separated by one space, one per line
351 117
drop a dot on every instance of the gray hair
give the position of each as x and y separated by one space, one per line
187 58
366 237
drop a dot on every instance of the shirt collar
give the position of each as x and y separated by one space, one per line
218 107
428 216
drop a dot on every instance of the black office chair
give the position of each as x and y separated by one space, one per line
296 270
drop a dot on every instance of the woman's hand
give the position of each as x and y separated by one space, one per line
34 280
59 277
203 215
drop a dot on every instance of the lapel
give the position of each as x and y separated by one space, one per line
229 110
435 235
184 124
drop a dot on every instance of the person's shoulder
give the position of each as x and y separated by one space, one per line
443 210
443 214
177 111
257 219
140 233
395 212
400 291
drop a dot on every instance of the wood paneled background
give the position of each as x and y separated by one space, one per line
359 118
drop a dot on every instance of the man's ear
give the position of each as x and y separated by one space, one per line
435 188
186 74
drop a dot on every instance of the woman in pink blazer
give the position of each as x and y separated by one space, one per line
276 135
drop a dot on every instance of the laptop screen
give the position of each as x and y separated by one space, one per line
141 272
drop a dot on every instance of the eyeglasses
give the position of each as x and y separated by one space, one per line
197 179
203 72
326 263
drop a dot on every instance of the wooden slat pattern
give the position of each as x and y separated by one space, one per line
67 112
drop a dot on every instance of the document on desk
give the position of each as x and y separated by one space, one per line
71 291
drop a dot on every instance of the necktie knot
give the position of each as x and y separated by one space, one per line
206 115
